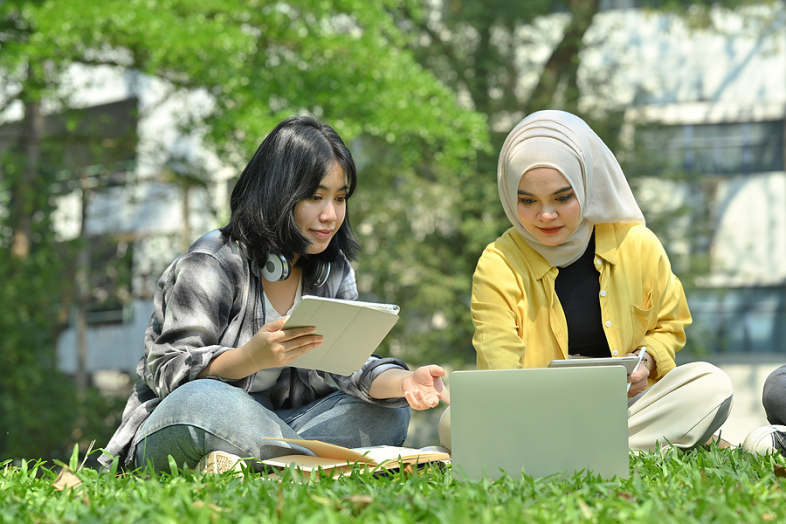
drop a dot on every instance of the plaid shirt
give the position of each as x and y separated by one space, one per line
208 301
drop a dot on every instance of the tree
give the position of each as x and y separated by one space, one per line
376 71
440 220
346 62
505 59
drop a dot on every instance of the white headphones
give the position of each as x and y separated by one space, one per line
278 268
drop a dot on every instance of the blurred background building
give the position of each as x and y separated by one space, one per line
712 105
702 120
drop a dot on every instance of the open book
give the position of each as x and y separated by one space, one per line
351 330
338 460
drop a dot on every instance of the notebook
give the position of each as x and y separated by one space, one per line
546 421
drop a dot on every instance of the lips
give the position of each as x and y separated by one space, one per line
550 230
322 233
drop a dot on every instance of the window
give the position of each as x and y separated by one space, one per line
738 320
721 149
109 280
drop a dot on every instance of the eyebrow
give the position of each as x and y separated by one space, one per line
557 192
344 188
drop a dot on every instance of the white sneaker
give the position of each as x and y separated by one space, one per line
766 440
219 462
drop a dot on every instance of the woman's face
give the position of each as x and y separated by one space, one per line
319 217
547 205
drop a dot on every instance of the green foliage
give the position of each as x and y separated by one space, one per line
39 408
31 390
348 63
424 106
715 485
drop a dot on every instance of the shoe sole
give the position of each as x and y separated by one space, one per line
219 462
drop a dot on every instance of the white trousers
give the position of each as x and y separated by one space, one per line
685 408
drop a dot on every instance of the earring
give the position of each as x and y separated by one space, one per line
276 268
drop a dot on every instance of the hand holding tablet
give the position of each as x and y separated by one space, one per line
631 364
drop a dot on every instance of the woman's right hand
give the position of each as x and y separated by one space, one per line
273 347
270 347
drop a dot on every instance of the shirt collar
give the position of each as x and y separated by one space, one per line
606 242
538 265
605 248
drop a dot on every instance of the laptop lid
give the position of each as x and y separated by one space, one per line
546 421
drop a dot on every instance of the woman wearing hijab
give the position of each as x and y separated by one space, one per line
579 274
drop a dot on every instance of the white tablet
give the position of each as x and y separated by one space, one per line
628 362
351 331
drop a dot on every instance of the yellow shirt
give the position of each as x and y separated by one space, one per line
519 321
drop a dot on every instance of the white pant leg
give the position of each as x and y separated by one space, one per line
685 407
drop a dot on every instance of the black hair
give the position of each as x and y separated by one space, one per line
288 167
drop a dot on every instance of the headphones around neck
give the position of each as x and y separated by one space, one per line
278 268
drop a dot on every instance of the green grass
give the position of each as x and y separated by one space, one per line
705 485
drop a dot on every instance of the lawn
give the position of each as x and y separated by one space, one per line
705 485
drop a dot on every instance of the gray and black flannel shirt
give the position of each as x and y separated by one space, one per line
208 301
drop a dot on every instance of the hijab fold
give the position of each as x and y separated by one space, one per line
564 142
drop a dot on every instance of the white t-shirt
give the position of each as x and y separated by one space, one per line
266 378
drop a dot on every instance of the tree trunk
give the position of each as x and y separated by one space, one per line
83 292
478 85
24 193
562 65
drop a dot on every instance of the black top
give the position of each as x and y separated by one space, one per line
578 290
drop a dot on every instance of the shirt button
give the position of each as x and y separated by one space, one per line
603 293
608 323
615 353
597 261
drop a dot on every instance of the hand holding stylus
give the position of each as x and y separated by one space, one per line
639 375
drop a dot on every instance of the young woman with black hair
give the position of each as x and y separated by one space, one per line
215 379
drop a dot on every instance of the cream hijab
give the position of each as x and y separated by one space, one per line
564 142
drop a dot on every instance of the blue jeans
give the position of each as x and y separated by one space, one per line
208 415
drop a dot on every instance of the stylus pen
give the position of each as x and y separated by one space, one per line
642 356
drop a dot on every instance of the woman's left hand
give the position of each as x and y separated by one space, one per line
638 379
423 389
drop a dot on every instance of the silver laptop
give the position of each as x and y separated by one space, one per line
541 421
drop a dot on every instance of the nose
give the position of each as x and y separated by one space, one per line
547 215
328 212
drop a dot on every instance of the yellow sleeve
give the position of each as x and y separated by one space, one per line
665 333
496 301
